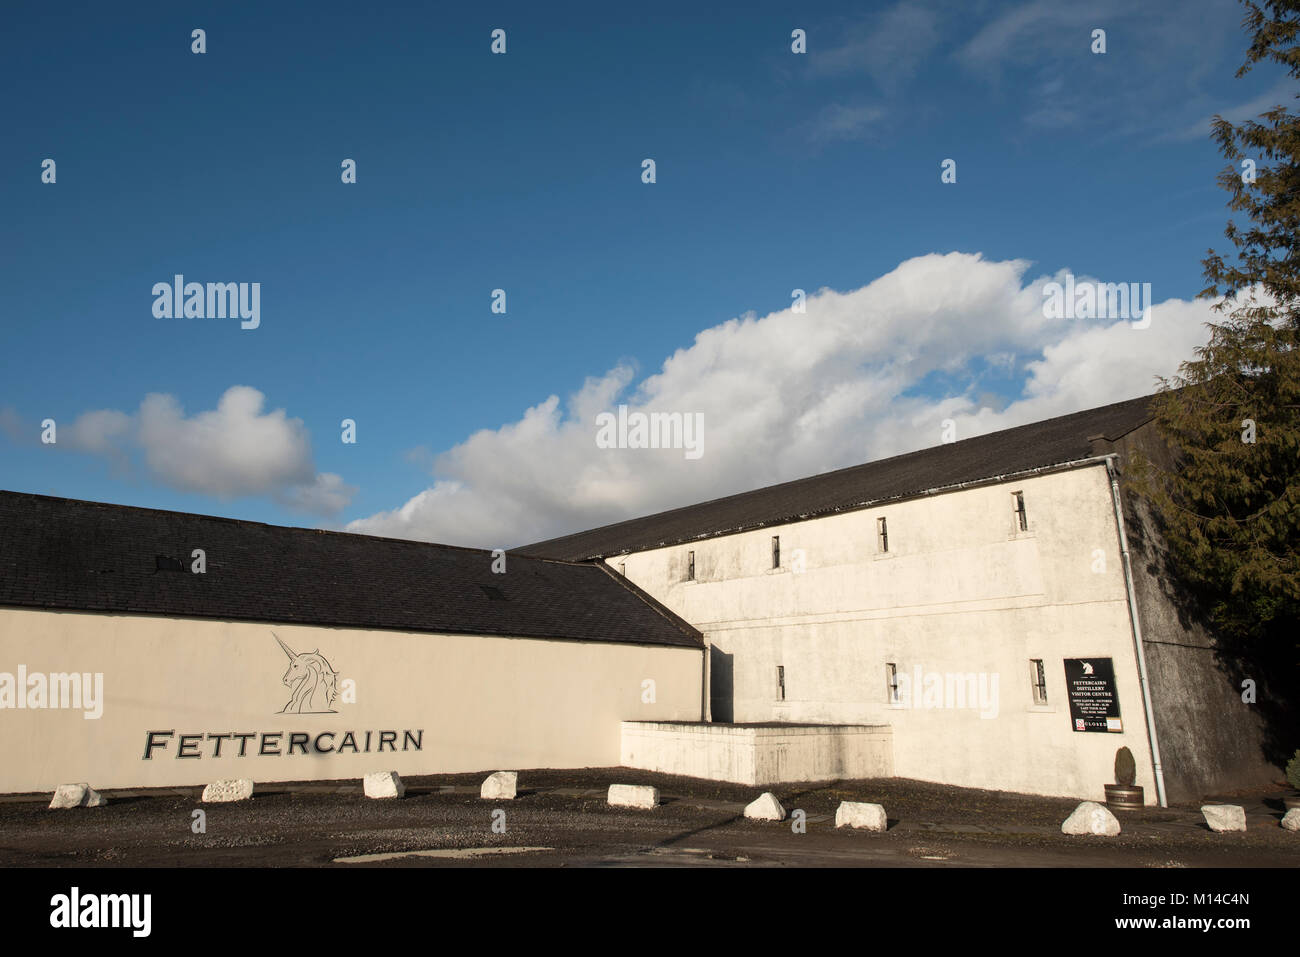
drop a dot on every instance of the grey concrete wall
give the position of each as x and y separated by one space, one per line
1211 741
755 754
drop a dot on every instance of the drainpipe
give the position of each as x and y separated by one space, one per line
1137 633
706 673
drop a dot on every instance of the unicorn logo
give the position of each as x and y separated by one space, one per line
315 684
1087 668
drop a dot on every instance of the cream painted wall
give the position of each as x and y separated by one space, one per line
759 754
961 590
483 703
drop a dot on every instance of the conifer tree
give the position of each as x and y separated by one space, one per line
1230 503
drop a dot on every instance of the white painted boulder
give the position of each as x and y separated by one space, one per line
1291 819
866 817
500 786
76 795
765 808
220 792
383 784
633 795
1091 818
1224 817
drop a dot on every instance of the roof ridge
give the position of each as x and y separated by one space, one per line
100 558
655 604
631 525
307 530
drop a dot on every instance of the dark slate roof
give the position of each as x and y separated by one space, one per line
1039 445
86 556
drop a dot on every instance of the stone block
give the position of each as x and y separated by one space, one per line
220 792
633 795
1224 817
500 786
77 795
765 808
383 784
1091 818
868 817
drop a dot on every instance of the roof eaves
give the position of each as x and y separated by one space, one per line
858 506
681 624
688 639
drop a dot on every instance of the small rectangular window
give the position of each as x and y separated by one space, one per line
776 551
1039 678
891 679
882 535
690 566
1018 503
780 682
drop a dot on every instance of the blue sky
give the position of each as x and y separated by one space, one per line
522 171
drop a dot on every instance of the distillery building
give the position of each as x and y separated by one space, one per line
994 612
144 648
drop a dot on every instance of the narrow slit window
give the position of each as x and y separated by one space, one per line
776 551
891 681
690 566
780 682
1018 503
882 535
1038 676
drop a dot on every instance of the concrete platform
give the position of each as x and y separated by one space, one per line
767 753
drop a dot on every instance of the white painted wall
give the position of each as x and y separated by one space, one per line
749 754
484 703
961 590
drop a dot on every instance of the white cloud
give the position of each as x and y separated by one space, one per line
838 122
13 426
1158 74
327 494
890 45
232 451
97 432
1282 93
1022 28
789 395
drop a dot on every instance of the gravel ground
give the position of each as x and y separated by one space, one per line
560 817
